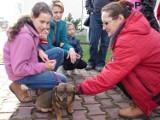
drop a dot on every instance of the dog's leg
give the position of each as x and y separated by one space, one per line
53 112
70 110
58 113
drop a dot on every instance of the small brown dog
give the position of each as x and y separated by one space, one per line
62 96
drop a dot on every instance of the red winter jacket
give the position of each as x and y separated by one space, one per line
135 62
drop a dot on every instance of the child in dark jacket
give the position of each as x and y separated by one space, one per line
75 43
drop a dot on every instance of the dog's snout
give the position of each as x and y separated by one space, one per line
65 97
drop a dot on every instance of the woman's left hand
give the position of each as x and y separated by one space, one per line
72 54
43 55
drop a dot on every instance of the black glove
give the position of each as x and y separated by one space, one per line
79 89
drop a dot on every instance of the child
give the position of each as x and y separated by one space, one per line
75 43
43 43
45 52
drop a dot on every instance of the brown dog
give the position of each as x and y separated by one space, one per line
62 96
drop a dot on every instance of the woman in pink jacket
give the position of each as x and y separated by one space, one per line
135 63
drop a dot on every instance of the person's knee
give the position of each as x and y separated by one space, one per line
63 78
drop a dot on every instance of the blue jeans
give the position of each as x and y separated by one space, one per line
97 36
44 80
55 53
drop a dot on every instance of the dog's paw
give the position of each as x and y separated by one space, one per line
70 110
46 109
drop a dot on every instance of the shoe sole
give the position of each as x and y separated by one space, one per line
141 116
17 97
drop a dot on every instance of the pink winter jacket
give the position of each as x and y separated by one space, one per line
135 62
20 55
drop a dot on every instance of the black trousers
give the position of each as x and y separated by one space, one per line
79 64
120 85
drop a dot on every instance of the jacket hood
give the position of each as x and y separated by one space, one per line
26 29
136 23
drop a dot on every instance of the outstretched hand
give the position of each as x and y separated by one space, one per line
50 64
72 55
79 89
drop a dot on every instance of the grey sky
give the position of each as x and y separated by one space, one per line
8 8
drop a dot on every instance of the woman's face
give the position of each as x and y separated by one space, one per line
111 24
57 13
42 22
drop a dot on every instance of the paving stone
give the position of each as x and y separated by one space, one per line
11 99
40 115
112 114
99 117
117 98
94 109
111 92
122 105
106 103
5 116
8 107
77 105
101 96
24 112
80 115
89 99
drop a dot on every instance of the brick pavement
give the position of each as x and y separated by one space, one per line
102 106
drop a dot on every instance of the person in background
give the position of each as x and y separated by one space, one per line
55 53
20 54
147 9
75 43
98 38
158 13
135 63
58 33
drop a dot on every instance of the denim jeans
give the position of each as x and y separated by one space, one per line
97 36
55 53
44 80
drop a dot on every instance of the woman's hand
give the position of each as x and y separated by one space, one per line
43 55
50 64
78 56
72 54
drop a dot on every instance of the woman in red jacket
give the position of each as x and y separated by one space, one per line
135 63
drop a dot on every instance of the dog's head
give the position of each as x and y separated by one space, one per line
64 94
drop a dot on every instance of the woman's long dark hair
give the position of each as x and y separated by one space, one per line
38 8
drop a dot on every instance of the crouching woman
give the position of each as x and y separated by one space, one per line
135 63
20 54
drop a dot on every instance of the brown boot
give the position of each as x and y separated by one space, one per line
22 95
132 112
